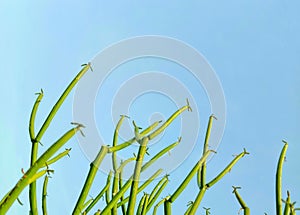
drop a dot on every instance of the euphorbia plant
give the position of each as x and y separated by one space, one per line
122 197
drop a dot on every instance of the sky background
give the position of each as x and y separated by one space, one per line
252 45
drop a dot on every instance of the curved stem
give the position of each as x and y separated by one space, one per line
278 179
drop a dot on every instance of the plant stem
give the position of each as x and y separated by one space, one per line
168 122
227 169
136 175
144 210
187 180
23 182
202 170
89 179
167 207
157 205
241 201
197 201
287 207
94 202
34 150
278 179
44 196
143 186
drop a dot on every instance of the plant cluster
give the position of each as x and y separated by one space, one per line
122 196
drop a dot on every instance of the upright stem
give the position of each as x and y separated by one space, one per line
44 196
136 175
89 180
278 179
197 201
167 208
202 170
34 151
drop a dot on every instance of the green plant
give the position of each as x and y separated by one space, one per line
122 196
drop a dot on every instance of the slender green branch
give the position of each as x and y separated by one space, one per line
34 151
60 102
37 139
98 197
57 157
126 186
114 161
190 205
44 196
157 205
241 201
90 179
168 122
227 169
136 175
287 207
197 201
129 142
159 154
202 170
278 179
187 180
156 188
144 209
156 194
123 207
141 204
116 198
23 182
115 141
143 186
33 115
107 197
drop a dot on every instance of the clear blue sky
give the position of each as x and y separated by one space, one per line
252 45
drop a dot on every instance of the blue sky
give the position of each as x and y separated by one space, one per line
252 45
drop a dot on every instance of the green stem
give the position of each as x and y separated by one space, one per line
60 102
168 122
114 161
188 210
197 201
107 197
202 170
144 209
143 186
167 208
287 207
126 186
34 151
89 179
98 197
227 169
241 201
151 201
141 203
187 180
23 182
116 198
57 157
123 207
44 196
157 205
136 175
129 142
278 179
159 154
